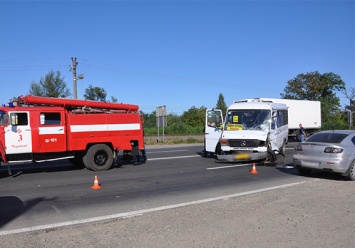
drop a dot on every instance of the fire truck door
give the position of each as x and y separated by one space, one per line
18 137
51 132
213 129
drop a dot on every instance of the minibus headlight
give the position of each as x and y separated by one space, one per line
224 142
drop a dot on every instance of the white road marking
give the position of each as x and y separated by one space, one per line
57 209
190 156
144 211
167 151
228 166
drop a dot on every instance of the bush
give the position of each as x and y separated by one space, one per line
334 125
191 140
174 130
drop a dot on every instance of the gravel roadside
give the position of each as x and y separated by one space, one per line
317 213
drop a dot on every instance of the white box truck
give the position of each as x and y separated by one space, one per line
305 112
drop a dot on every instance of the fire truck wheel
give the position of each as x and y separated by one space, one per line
99 158
77 160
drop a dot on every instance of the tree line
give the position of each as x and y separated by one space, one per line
312 86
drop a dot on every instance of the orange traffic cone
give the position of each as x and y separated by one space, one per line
96 184
253 171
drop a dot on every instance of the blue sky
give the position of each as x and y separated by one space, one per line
175 53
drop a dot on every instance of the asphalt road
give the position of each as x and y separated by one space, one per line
57 192
54 195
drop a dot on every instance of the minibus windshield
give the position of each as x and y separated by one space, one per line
248 119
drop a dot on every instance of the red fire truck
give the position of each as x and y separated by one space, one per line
87 132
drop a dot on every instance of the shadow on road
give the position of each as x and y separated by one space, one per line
31 168
289 169
12 207
17 169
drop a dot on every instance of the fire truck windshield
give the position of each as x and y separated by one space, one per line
3 118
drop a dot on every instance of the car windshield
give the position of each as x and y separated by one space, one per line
3 118
248 119
327 137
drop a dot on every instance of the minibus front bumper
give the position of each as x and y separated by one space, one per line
242 157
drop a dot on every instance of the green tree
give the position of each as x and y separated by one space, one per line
113 99
52 85
176 125
95 94
317 87
194 117
221 104
350 95
150 120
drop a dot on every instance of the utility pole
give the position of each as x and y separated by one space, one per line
81 76
73 68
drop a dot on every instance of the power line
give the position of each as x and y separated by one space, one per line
140 73
32 59
240 86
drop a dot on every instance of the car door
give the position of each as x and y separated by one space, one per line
51 132
18 136
213 129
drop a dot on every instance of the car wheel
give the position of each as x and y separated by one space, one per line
304 171
283 149
351 172
218 149
270 157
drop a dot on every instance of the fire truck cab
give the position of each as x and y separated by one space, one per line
87 132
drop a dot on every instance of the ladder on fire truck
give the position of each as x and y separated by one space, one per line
73 103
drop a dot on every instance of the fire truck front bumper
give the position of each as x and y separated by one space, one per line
240 157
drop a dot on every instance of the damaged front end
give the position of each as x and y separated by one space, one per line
238 150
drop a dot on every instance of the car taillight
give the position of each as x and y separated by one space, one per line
298 147
333 150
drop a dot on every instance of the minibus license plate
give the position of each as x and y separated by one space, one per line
242 156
